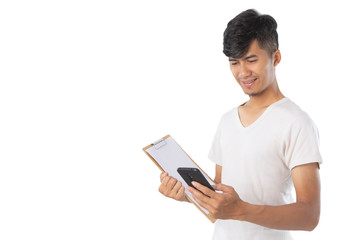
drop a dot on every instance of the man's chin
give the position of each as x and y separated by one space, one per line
251 94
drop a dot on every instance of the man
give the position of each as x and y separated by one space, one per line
261 148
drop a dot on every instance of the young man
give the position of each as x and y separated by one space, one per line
261 148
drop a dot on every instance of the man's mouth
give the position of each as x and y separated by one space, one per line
249 82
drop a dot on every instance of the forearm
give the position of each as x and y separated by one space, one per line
296 216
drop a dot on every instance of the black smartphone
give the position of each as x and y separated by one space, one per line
194 174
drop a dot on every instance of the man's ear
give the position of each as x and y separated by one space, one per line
277 57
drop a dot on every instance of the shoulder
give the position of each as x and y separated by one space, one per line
228 119
291 113
229 115
295 120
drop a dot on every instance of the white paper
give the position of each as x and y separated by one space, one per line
170 157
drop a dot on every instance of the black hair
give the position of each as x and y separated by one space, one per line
246 27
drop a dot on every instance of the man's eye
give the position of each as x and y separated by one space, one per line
252 61
233 63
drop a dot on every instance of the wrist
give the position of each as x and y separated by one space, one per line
243 208
248 211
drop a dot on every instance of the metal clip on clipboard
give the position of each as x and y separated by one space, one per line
159 143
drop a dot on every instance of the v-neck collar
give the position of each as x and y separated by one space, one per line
259 119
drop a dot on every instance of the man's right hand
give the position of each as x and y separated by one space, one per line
172 188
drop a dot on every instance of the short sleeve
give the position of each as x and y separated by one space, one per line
215 150
302 143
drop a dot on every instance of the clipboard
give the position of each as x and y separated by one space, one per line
169 156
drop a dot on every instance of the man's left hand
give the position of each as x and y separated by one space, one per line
225 205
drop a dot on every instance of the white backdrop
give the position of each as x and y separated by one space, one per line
85 85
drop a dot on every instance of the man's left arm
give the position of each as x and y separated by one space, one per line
304 214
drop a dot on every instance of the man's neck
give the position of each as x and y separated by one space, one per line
266 98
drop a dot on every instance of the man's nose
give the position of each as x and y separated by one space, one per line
243 72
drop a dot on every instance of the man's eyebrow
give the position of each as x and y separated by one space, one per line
250 56
244 58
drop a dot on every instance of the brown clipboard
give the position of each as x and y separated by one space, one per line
161 141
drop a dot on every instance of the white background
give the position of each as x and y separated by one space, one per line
85 85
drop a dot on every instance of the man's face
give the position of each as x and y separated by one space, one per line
255 72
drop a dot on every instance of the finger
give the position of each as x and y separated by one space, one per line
163 188
207 191
174 189
180 194
168 181
200 198
167 185
171 183
177 187
163 175
223 187
165 180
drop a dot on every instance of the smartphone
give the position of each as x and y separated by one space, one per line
194 174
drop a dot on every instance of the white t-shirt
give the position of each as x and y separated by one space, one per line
257 162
